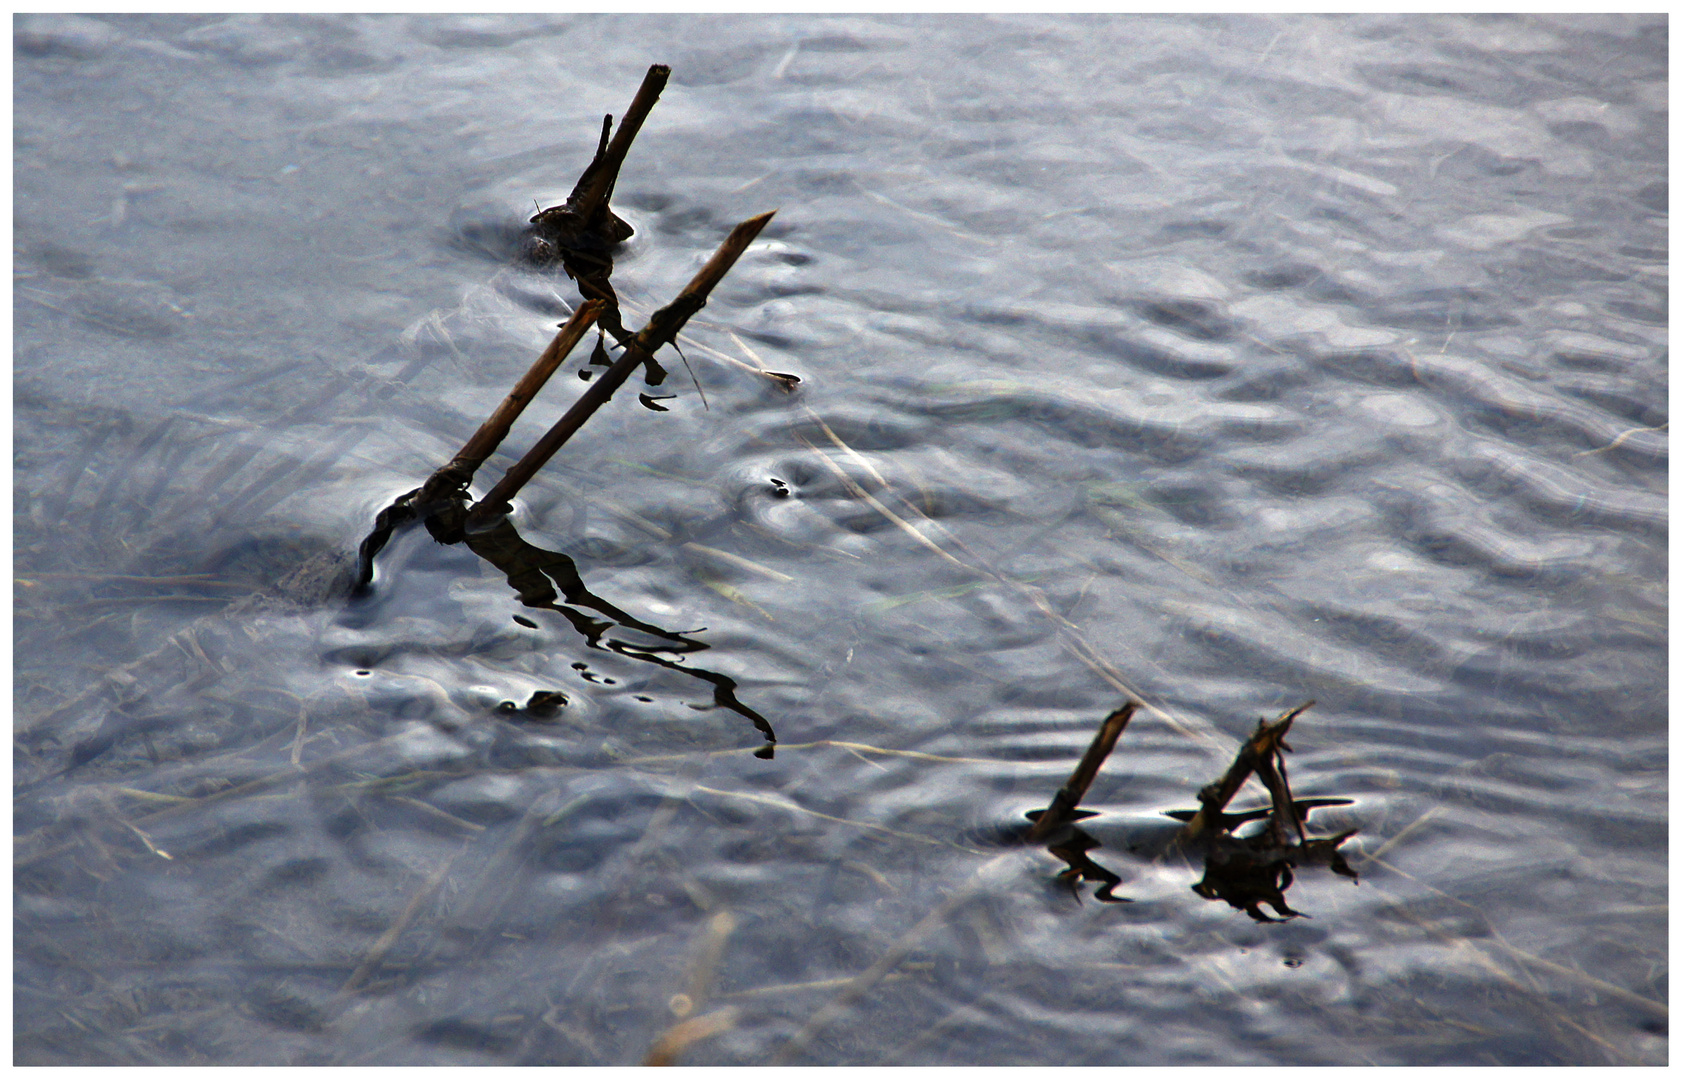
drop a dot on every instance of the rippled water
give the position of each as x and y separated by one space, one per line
1225 363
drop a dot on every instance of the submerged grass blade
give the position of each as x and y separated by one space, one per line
863 982
794 807
1073 640
381 947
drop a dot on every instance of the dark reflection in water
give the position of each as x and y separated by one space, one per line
1248 871
1072 846
541 577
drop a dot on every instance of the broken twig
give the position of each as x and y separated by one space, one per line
584 230
593 197
1062 809
1263 745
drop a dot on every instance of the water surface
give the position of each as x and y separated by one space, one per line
1221 363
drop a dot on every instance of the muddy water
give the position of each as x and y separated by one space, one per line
1221 363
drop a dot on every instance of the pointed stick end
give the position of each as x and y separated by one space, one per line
751 227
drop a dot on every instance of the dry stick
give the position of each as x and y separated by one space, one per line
459 472
1062 808
1261 745
1284 819
629 124
662 327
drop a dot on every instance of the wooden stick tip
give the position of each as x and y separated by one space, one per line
745 232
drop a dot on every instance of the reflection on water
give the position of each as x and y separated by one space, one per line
541 577
1214 364
1248 872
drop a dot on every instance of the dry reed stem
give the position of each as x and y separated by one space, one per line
436 814
1062 808
1618 1056
1394 840
1617 442
485 441
297 754
875 504
915 755
680 1036
1260 747
152 796
661 329
801 987
690 343
630 122
758 362
1653 1008
737 560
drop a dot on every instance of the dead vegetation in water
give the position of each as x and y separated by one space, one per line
447 905
1245 871
657 983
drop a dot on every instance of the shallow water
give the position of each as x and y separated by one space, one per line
1224 363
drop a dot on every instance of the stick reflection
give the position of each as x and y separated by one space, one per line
544 579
